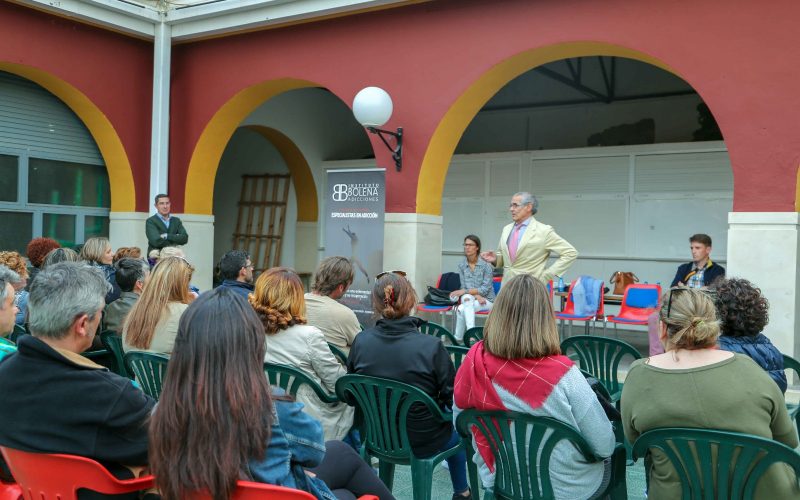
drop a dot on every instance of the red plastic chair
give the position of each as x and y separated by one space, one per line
247 490
568 313
10 491
43 476
443 310
638 302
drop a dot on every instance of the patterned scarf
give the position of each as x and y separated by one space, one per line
531 380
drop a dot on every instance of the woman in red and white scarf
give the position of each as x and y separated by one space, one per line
519 367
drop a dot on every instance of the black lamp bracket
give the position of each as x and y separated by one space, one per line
397 150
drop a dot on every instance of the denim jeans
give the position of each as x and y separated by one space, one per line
457 464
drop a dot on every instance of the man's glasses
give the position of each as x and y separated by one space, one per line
381 275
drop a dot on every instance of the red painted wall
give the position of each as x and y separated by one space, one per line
113 71
737 56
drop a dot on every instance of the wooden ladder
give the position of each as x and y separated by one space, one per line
261 218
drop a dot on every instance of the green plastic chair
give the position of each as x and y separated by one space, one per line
290 379
716 464
457 354
19 331
437 330
789 363
149 369
523 444
338 353
600 357
383 406
113 344
473 335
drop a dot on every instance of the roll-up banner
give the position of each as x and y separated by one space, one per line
356 203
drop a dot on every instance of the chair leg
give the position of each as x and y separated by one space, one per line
472 470
386 473
421 479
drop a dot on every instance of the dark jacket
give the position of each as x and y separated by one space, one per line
115 313
712 273
60 402
760 350
110 272
154 227
239 287
395 349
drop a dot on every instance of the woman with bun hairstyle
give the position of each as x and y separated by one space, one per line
693 384
278 301
395 349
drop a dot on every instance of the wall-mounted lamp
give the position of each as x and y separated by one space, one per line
372 107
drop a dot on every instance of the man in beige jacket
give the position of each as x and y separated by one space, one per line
526 244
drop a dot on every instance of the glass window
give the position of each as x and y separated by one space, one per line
16 230
60 227
8 178
95 225
66 183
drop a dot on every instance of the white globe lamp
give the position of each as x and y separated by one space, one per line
373 107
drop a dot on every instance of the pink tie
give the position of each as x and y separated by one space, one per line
512 245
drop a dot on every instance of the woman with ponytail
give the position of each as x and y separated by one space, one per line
694 384
395 349
279 303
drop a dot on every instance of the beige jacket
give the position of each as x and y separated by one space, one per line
338 322
166 331
304 347
538 241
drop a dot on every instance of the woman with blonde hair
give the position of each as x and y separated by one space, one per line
519 367
694 384
97 251
152 322
395 349
279 303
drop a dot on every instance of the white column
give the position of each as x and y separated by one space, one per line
305 247
126 229
159 143
200 248
413 243
763 248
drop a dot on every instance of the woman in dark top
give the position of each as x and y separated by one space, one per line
743 313
395 349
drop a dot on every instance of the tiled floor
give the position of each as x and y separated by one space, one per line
442 489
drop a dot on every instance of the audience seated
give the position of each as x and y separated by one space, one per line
127 253
8 310
216 370
519 367
236 272
56 401
395 349
97 252
17 263
60 255
338 322
152 322
694 384
37 250
130 275
278 301
477 291
743 313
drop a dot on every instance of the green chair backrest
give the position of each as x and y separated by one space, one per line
149 369
339 354
789 363
19 331
383 405
437 330
457 354
600 357
717 464
473 335
522 446
290 379
113 343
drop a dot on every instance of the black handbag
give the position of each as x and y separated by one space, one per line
437 297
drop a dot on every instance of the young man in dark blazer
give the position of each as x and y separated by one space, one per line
701 271
163 229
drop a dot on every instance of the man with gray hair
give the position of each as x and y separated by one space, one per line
8 310
338 322
526 244
59 401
